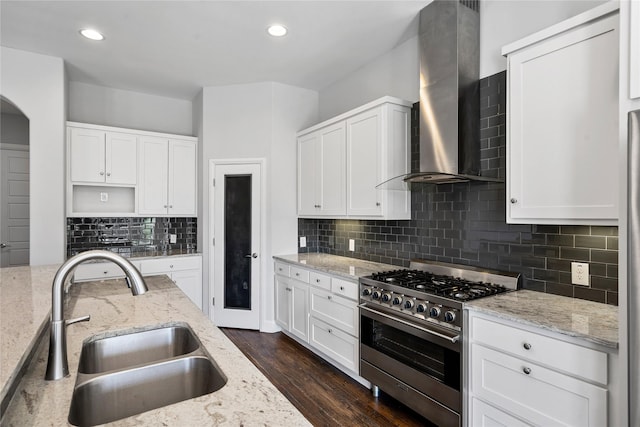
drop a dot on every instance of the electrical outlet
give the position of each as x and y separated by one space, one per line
303 242
173 238
580 273
104 197
352 245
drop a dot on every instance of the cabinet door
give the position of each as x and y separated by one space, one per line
538 395
341 347
153 175
364 140
563 128
190 282
121 158
308 174
283 295
334 310
182 178
87 155
333 165
484 415
299 310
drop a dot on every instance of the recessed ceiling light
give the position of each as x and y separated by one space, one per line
277 30
92 34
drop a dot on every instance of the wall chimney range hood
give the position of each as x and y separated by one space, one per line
449 93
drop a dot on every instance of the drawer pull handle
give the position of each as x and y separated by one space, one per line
527 346
526 370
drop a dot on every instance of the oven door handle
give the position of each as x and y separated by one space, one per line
453 339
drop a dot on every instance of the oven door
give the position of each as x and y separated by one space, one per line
418 365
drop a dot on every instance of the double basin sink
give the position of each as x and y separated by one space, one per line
127 373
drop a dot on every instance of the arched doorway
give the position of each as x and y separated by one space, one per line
14 185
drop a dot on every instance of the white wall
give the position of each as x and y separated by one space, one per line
396 72
503 22
257 120
14 129
36 85
123 108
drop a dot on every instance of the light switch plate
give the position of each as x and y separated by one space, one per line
352 245
303 242
104 197
173 238
580 273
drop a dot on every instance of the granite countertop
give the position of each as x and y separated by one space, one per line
248 398
587 320
25 303
349 268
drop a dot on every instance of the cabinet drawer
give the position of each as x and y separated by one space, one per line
169 264
300 274
282 269
345 288
573 359
537 394
321 280
334 310
341 347
97 271
486 415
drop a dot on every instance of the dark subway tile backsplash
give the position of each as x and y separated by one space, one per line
131 236
465 223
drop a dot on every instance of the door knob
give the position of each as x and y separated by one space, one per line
3 245
253 255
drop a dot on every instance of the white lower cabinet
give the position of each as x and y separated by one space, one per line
321 311
518 377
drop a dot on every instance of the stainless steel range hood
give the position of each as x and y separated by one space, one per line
449 93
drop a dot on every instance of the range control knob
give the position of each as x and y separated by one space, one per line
408 304
449 316
386 297
421 308
375 295
434 312
366 292
397 300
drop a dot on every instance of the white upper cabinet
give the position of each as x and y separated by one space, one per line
342 160
562 130
97 156
125 172
321 172
167 175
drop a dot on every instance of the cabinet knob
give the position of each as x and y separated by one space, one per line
514 200
342 288
101 173
165 206
330 330
328 296
377 203
171 266
108 173
526 370
170 206
527 346
104 272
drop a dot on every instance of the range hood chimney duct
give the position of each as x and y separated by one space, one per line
449 93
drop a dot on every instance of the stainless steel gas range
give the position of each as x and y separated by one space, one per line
411 329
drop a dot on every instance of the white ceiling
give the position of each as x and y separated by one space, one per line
173 48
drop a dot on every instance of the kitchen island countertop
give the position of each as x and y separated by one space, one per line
591 321
248 398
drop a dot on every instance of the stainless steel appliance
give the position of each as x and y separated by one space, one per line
411 328
633 264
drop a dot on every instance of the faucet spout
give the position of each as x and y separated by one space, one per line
58 366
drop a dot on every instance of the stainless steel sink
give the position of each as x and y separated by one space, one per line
117 352
127 374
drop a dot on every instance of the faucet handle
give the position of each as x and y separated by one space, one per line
77 319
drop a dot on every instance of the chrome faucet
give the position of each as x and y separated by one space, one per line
58 366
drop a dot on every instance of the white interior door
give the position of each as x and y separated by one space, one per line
14 208
236 219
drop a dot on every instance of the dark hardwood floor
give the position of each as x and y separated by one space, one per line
324 395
